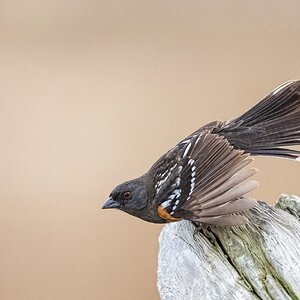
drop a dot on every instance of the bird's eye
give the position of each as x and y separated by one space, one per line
127 195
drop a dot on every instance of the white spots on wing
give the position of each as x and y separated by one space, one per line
163 174
173 186
298 158
177 193
282 86
187 149
176 183
173 201
186 141
191 162
164 177
198 138
166 203
193 177
173 167
192 188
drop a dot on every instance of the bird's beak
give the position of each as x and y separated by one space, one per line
110 203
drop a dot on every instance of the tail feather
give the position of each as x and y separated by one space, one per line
277 152
285 99
272 123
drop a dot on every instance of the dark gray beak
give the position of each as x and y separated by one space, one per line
110 203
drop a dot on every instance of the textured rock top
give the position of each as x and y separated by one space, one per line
260 260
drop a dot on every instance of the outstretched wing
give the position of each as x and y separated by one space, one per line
204 179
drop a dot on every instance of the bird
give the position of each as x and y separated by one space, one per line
206 177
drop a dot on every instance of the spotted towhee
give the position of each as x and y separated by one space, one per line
204 178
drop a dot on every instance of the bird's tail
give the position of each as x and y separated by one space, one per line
271 125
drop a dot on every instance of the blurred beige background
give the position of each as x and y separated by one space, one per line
91 94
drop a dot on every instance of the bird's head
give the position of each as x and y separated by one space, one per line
130 196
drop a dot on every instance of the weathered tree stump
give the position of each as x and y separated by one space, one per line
260 260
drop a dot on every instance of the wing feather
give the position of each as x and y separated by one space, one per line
206 181
220 183
229 207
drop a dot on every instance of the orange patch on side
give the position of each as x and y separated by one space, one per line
165 215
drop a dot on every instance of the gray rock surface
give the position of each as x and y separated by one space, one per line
260 260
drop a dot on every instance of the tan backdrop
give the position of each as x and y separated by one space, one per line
91 94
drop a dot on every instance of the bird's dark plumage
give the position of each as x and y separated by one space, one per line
205 177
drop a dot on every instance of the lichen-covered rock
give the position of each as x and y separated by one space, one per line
289 204
260 260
